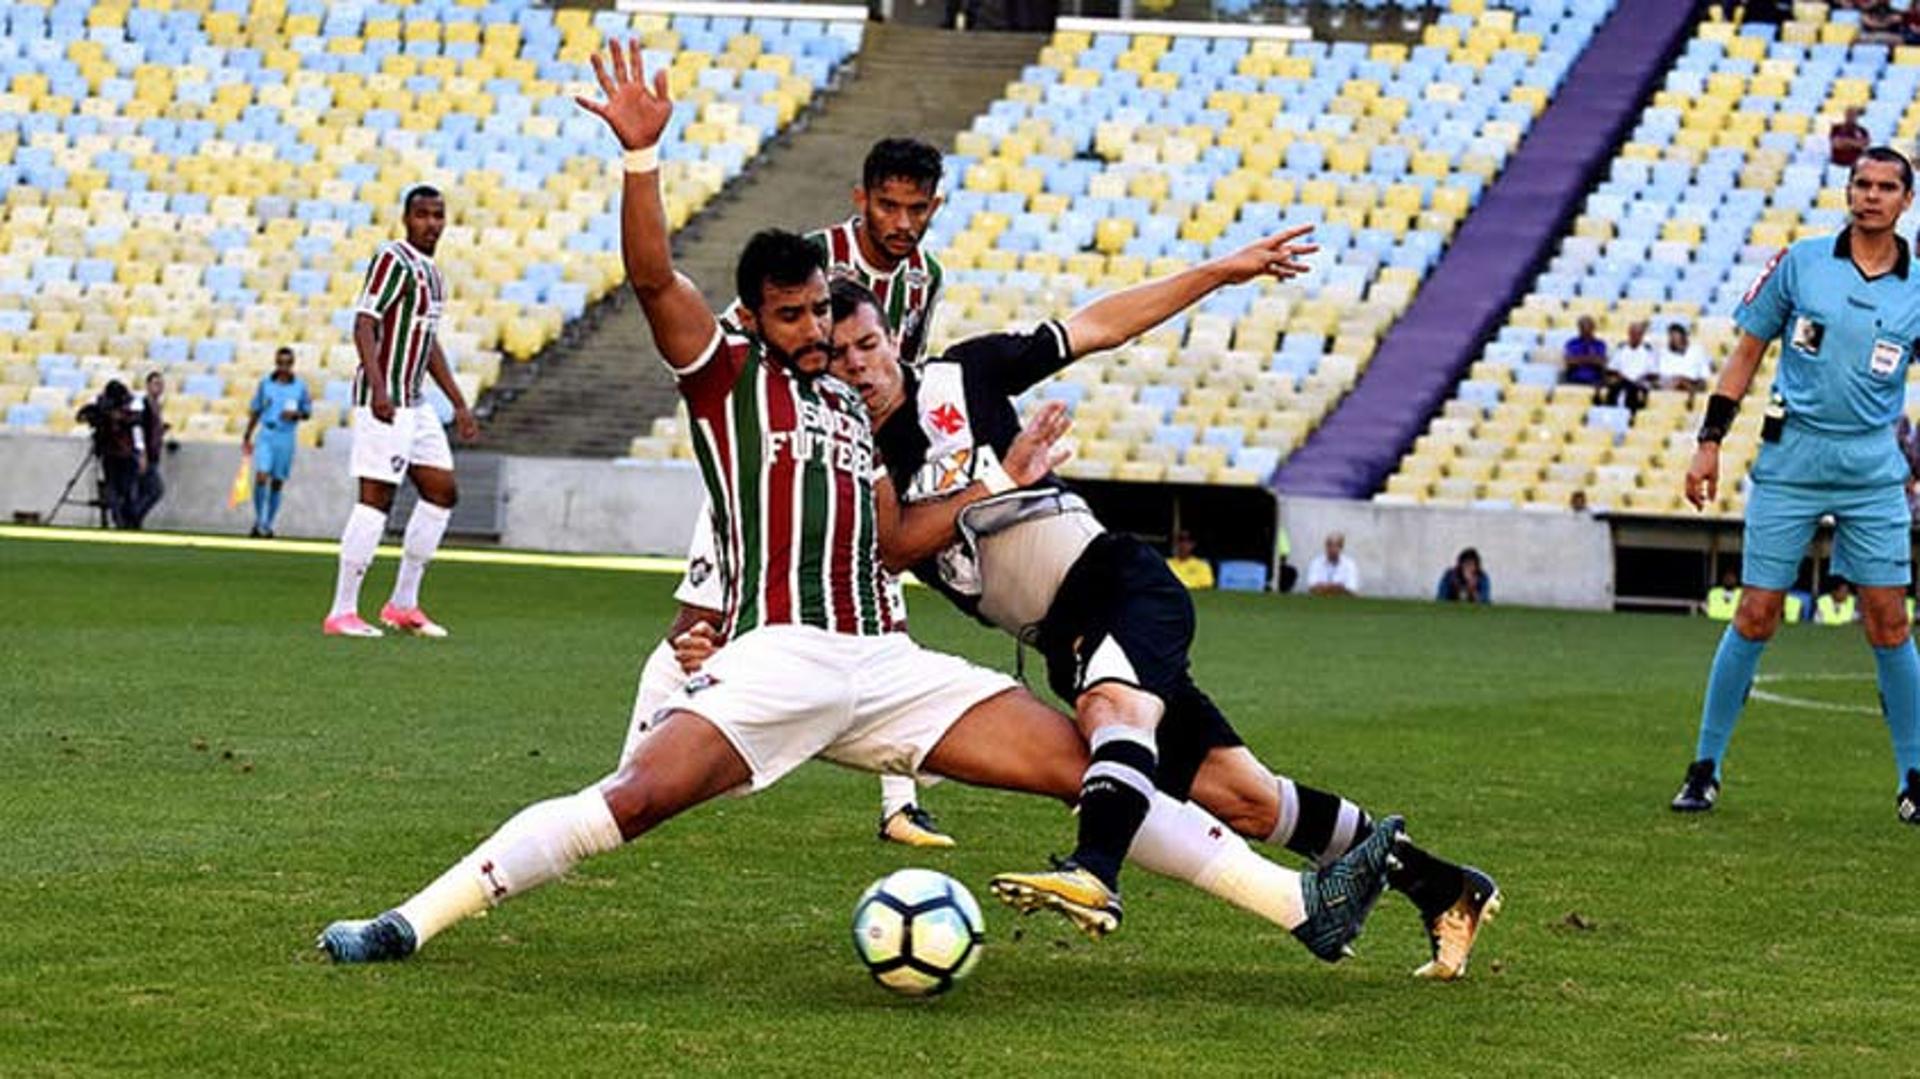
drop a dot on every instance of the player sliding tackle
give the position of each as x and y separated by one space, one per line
1111 619
817 665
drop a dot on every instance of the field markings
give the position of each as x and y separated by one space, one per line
1801 702
330 548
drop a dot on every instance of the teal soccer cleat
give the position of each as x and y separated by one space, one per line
379 940
1340 897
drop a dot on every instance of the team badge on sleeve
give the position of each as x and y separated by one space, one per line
1760 279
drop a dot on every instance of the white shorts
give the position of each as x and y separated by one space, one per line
786 694
384 451
702 585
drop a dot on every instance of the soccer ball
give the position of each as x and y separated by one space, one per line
917 931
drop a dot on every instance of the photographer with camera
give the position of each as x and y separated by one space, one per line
150 443
111 416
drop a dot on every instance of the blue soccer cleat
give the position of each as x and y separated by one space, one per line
1340 897
379 940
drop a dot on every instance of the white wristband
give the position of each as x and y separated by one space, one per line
645 159
996 479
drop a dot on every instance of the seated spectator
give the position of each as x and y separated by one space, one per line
1577 502
1683 365
1194 572
1724 598
1879 17
1465 582
1586 356
1835 607
1631 369
1847 140
1330 574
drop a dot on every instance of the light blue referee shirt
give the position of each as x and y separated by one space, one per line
272 399
1845 338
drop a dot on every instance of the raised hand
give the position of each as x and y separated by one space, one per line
1036 450
1277 256
637 114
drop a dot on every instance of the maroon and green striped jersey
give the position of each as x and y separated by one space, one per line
907 295
405 292
789 467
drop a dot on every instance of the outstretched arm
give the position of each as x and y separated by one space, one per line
637 114
1119 317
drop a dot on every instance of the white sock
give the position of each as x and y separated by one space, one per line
1183 841
660 677
424 529
539 844
358 541
896 794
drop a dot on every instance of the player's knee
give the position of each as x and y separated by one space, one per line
1885 629
1758 617
1116 704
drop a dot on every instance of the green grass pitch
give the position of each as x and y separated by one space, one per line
193 782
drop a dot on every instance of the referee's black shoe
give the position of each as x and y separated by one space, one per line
1909 800
1700 790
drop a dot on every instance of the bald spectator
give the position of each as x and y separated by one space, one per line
1631 369
1586 356
1847 140
1332 574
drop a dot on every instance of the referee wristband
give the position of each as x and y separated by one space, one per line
1721 410
645 159
996 479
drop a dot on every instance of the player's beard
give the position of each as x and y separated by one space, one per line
791 361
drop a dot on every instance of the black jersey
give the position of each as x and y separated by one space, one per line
958 418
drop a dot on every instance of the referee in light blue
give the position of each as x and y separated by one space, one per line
280 402
1846 310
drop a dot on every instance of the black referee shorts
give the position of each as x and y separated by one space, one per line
1122 616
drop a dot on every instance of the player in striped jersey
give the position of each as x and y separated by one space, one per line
816 664
396 434
879 247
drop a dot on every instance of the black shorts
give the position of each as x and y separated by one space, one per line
1122 616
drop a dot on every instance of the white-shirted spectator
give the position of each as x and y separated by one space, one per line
1331 573
1683 366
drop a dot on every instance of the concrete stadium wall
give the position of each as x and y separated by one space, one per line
581 505
550 504
1534 559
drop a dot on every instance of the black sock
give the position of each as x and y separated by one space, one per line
1114 798
1432 882
1321 826
1317 825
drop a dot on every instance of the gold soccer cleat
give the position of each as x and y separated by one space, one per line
1453 933
1077 894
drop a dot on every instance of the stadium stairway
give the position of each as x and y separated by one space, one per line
591 397
1499 247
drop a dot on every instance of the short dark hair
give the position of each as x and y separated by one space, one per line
283 350
902 159
1886 155
850 296
778 257
417 191
1468 553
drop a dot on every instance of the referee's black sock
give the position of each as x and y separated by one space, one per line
1115 794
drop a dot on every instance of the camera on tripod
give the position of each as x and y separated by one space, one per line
110 416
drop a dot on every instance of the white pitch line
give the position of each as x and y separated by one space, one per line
1802 702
